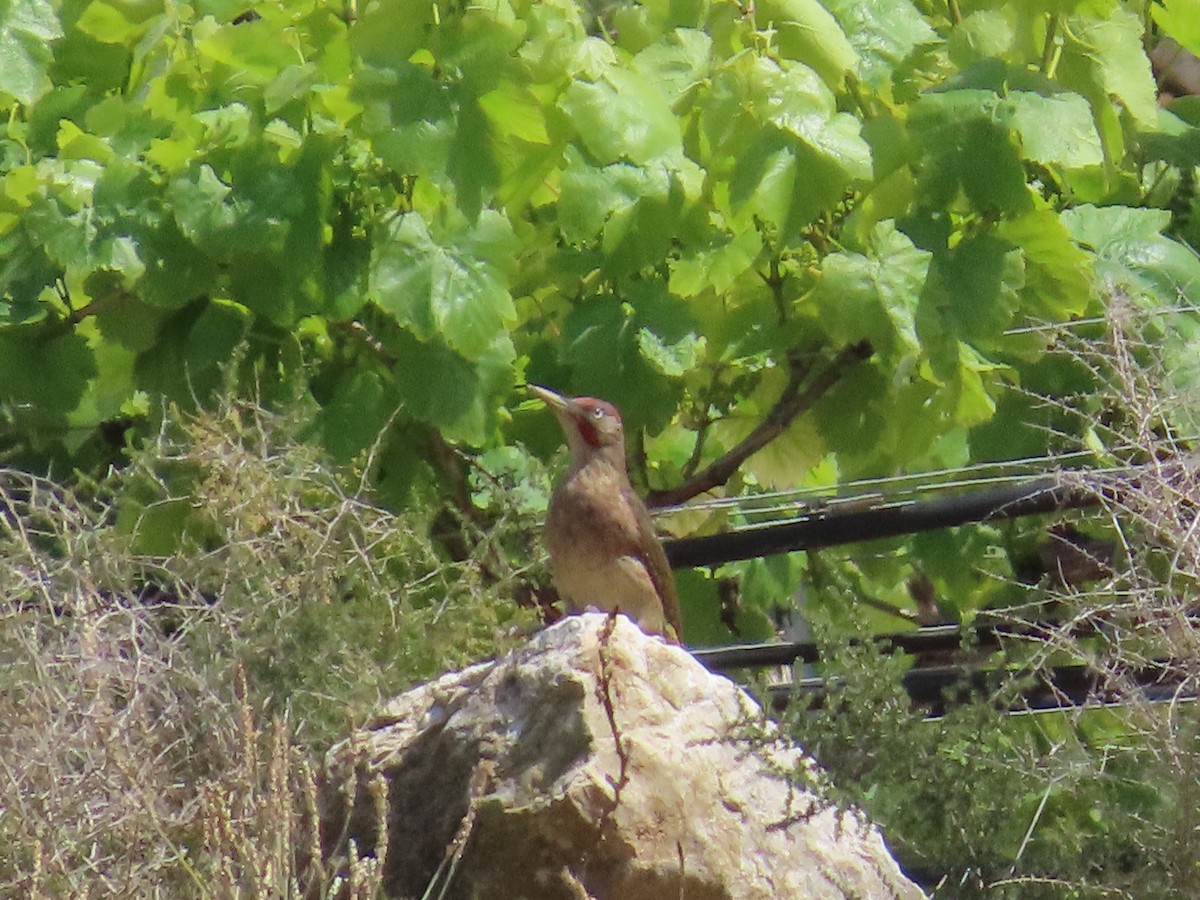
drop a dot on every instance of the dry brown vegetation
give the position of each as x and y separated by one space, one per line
1141 621
1089 802
179 643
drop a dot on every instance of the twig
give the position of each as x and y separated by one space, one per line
604 690
791 403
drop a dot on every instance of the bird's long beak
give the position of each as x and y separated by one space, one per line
556 402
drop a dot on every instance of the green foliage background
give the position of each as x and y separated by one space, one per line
672 205
412 207
655 202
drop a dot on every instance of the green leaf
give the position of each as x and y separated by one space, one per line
1173 141
603 345
764 184
445 133
25 270
207 214
623 116
43 378
194 345
973 403
111 385
788 459
805 31
853 418
967 147
1058 281
983 35
514 480
700 608
247 56
451 288
677 63
674 359
771 583
882 33
717 265
291 83
119 255
1179 19
67 239
408 116
636 210
263 225
389 32
513 110
1104 58
1100 228
872 296
637 25
456 395
805 157
121 23
26 29
74 143
591 58
177 271
131 323
355 409
1056 130
977 286
1133 255
801 106
470 164
955 557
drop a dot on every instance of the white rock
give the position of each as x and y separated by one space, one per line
597 762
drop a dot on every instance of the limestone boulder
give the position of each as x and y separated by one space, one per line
595 762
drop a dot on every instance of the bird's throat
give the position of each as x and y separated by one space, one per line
589 433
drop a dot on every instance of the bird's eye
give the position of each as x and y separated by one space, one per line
598 412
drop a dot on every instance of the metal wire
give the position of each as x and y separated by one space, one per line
805 502
1095 320
885 492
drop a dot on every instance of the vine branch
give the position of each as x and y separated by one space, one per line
795 399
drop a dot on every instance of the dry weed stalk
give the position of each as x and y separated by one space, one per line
1142 614
1140 621
95 747
260 822
139 757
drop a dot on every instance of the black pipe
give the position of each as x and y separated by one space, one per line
1062 687
829 529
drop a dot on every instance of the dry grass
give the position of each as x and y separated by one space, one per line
180 643
1141 418
1095 802
1143 619
1135 768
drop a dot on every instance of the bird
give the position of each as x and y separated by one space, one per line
604 553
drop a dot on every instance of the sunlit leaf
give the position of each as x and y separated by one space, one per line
874 297
453 290
882 33
1133 254
623 116
26 29
806 31
1104 57
1180 19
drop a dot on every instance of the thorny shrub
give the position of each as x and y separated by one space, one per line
1099 801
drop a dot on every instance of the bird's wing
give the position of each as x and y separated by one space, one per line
657 566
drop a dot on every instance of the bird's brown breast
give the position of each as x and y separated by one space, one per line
592 510
599 547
